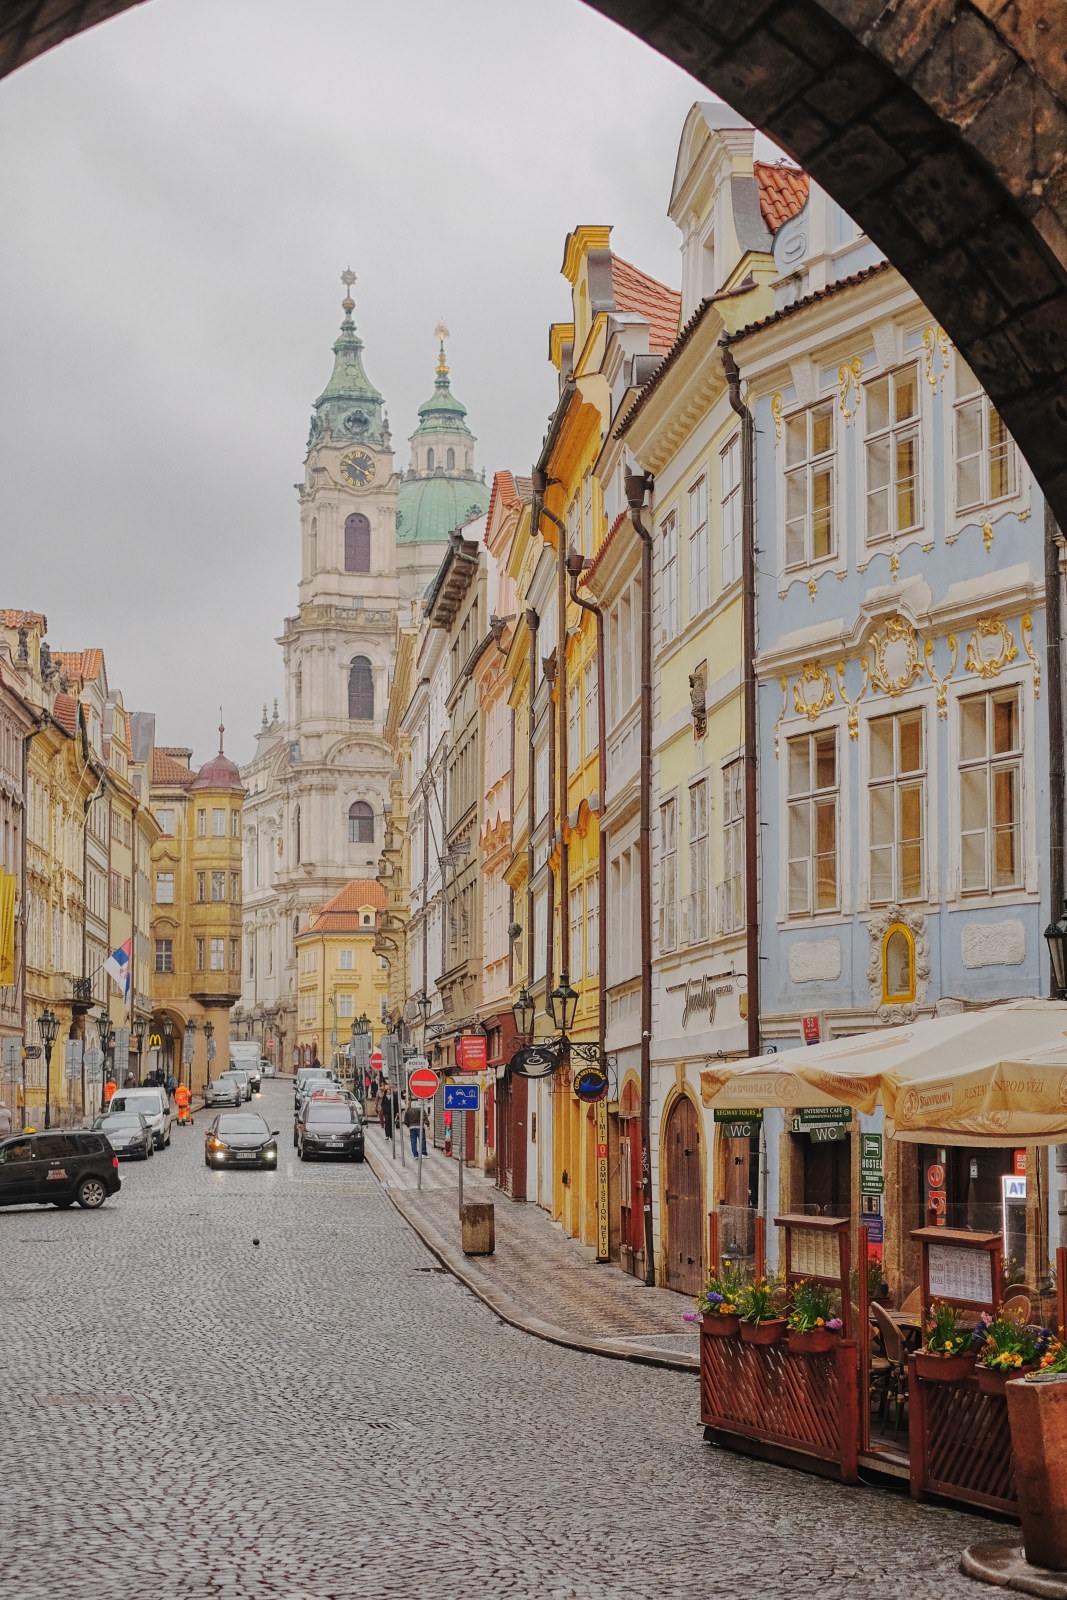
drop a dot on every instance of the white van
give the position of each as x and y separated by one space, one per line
244 1054
154 1106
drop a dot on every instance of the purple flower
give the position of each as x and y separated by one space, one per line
690 1316
715 1298
834 1322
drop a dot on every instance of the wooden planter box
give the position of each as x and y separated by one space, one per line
768 1332
992 1381
719 1327
944 1369
800 1410
814 1342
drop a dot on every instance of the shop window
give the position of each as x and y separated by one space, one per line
898 966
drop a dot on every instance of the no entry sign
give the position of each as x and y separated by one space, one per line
376 1061
423 1083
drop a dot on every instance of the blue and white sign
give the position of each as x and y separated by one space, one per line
462 1096
1014 1186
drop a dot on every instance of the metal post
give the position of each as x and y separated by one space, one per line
462 1115
421 1137
404 1135
47 1085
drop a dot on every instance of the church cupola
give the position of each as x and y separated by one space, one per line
440 490
349 409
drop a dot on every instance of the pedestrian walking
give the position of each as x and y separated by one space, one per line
170 1084
413 1122
182 1098
5 1118
388 1109
110 1089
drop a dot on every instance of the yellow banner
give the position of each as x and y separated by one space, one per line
8 883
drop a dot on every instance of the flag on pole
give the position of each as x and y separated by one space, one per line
118 965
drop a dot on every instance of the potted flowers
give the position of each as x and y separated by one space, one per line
1008 1349
948 1351
719 1302
812 1329
760 1308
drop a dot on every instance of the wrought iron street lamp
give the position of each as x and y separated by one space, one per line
425 1005
1056 938
190 1034
48 1028
524 1012
139 1029
563 1004
209 1035
166 1028
107 1041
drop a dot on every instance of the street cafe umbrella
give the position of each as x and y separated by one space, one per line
990 1077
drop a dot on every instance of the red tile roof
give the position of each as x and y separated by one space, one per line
65 712
809 300
636 291
783 191
341 914
85 665
24 619
167 771
510 490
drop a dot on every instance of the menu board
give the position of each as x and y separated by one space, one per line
815 1253
958 1272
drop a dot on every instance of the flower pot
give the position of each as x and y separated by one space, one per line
768 1332
937 1368
1037 1417
991 1380
813 1341
721 1326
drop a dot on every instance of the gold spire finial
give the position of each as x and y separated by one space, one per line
441 332
348 278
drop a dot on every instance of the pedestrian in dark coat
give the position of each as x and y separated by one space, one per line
388 1112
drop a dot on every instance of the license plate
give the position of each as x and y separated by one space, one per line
246 1155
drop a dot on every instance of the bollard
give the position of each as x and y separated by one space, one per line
478 1220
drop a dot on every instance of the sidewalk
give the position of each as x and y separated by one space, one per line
539 1279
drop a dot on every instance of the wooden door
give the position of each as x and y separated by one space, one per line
684 1244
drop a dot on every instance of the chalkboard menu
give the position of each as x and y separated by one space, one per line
961 1267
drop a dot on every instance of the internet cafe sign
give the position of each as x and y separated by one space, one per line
701 998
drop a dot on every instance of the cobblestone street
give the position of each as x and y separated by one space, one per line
330 1414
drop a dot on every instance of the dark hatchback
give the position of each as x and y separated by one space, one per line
71 1164
240 1139
329 1127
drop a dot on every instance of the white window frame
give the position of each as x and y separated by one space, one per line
592 924
807 801
668 587
731 917
699 919
893 435
991 764
806 471
897 783
668 874
698 552
164 882
731 509
971 397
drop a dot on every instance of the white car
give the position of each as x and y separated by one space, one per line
154 1106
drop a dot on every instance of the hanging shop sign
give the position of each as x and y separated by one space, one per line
471 1052
737 1124
822 1124
590 1082
535 1061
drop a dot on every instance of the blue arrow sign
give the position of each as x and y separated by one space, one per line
462 1096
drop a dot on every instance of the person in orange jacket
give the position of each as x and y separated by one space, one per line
110 1088
181 1100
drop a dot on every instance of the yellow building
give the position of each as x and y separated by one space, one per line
612 303
339 976
196 909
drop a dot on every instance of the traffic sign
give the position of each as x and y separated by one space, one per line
462 1096
423 1083
376 1062
12 1060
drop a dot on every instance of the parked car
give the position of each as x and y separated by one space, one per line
252 1068
320 1077
329 1126
72 1164
223 1091
267 1067
153 1104
128 1133
240 1138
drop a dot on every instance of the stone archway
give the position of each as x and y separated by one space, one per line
942 128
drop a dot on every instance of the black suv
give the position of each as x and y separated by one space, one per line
329 1126
57 1169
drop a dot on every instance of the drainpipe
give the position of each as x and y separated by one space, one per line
637 486
532 624
550 665
1054 673
748 671
576 565
562 774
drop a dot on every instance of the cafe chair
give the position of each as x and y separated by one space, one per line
914 1301
896 1378
1017 1307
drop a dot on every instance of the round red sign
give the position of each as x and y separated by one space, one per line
423 1083
376 1061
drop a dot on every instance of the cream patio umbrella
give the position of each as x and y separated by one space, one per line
993 1076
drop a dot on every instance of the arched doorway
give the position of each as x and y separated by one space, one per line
683 1236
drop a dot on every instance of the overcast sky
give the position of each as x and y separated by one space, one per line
180 189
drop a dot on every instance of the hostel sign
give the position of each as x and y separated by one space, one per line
872 1172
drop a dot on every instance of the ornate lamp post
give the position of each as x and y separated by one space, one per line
107 1041
48 1027
209 1035
190 1034
524 1012
541 1060
166 1028
360 1031
139 1029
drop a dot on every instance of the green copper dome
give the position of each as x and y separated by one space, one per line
427 509
349 409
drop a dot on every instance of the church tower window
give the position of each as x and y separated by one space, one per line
296 835
360 823
429 460
357 543
313 546
450 460
361 690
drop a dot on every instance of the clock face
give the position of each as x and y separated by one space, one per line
357 468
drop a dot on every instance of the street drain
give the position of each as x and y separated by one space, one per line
387 1425
430 1269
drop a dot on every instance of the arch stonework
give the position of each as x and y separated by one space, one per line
940 125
